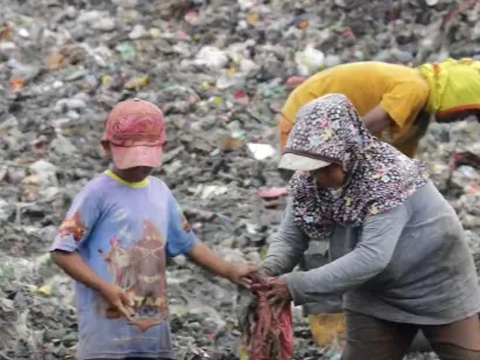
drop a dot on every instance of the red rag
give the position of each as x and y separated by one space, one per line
268 333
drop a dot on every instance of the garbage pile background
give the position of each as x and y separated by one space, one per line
220 70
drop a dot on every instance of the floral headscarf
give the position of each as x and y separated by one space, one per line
377 176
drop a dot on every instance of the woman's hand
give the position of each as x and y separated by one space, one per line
278 292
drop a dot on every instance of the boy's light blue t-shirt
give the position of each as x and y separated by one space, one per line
124 232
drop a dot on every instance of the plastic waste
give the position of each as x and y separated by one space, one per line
261 151
215 68
309 61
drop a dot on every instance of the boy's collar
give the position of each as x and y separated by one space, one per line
138 184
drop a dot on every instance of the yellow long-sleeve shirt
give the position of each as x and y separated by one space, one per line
400 90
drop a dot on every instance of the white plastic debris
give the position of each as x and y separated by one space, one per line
7 45
91 16
106 24
70 104
23 33
247 4
309 61
261 151
211 57
137 32
227 81
3 209
248 66
46 172
209 191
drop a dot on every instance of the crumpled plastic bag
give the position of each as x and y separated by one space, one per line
468 158
267 329
309 61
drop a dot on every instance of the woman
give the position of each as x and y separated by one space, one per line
396 103
398 250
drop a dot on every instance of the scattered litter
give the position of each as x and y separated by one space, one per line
212 58
261 151
275 192
229 143
220 71
212 190
309 61
137 83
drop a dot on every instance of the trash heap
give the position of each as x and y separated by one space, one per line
220 70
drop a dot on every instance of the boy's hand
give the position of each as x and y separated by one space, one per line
74 266
238 273
118 299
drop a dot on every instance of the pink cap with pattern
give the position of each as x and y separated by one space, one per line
135 131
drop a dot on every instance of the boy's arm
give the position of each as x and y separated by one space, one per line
181 240
74 233
206 258
74 266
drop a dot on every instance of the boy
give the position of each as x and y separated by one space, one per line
115 239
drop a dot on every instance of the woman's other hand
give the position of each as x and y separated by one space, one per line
278 291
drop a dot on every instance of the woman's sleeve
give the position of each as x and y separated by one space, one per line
287 247
380 234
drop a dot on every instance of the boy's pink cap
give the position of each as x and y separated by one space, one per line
135 130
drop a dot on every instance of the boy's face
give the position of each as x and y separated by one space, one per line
134 174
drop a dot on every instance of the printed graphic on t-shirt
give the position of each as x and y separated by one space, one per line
140 271
73 226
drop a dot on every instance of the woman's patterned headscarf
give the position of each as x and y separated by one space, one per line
377 176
